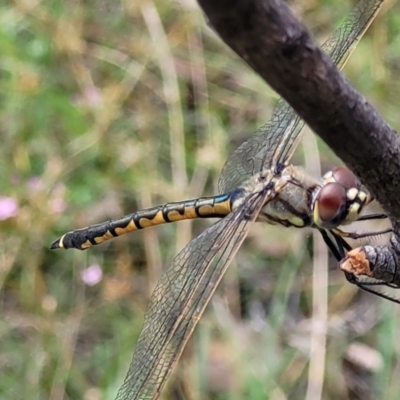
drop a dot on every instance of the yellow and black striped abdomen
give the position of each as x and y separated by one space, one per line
206 207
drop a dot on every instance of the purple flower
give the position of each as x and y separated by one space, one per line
93 96
8 207
35 184
58 205
92 275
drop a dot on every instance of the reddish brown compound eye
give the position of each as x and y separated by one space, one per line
331 203
345 177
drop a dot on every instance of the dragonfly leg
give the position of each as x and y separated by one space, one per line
336 249
366 286
355 236
372 216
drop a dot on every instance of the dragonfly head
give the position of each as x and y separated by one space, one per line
340 199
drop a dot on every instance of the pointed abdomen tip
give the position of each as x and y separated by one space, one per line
55 245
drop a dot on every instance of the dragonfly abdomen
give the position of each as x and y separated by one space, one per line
205 207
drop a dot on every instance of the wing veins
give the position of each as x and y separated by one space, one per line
276 141
150 369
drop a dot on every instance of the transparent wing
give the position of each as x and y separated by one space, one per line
275 141
180 298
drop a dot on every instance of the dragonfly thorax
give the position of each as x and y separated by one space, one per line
339 200
292 205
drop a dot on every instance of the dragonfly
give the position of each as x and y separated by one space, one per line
257 183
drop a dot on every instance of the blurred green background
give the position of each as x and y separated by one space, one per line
107 107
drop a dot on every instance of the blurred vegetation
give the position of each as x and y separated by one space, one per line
109 107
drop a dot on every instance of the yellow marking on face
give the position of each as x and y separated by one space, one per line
176 216
222 208
190 212
354 211
157 220
129 228
352 194
362 196
86 245
317 220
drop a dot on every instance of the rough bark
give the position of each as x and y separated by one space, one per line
266 35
